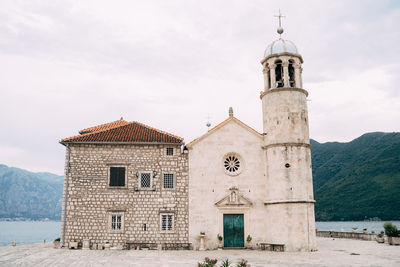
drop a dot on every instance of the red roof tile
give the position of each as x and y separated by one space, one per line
104 126
123 132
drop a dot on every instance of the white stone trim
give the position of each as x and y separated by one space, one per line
109 221
173 222
246 220
241 162
140 180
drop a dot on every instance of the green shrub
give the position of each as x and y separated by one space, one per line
226 263
57 239
248 239
242 263
391 230
219 237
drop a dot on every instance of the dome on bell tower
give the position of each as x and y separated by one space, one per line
281 46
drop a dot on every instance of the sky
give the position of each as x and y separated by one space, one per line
174 65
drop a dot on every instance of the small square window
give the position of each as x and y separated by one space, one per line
117 176
170 151
167 222
145 180
168 180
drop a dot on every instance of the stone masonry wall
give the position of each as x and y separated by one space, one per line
90 200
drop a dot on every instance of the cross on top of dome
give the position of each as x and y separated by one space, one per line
280 29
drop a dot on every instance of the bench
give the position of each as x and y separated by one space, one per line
140 246
272 247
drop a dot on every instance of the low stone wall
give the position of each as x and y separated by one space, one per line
350 235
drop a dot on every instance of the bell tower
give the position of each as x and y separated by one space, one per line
289 199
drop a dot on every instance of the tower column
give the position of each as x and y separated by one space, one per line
266 78
272 70
285 65
297 76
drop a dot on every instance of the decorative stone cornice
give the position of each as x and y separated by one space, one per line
283 89
287 144
282 54
289 201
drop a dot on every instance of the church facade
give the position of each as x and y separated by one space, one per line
130 185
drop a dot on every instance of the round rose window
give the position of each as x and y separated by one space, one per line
232 164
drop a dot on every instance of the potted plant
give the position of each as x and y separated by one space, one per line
56 243
248 241
392 232
365 231
107 245
380 238
220 238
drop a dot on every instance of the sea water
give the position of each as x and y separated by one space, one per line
29 232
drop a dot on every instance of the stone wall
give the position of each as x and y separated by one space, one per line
350 235
90 200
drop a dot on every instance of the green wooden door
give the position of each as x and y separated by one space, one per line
233 230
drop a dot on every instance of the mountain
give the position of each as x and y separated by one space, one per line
28 195
352 181
359 179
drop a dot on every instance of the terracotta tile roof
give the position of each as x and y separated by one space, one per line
123 132
104 126
219 125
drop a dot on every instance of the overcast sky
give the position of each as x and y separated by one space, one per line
68 65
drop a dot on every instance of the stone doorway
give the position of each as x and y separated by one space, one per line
233 230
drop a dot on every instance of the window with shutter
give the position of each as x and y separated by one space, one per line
117 176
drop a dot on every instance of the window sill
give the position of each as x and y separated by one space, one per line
145 189
118 187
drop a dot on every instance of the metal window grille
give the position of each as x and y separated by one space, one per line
168 180
170 151
169 226
145 180
167 222
164 222
116 222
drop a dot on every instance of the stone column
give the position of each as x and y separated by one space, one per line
301 77
285 66
297 75
266 79
272 75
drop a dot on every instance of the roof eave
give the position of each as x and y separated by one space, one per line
122 143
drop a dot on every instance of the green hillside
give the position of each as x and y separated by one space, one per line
359 179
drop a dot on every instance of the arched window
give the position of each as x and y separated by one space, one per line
269 79
279 74
291 74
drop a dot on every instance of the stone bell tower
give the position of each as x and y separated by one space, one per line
289 199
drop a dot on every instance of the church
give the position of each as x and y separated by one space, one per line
129 185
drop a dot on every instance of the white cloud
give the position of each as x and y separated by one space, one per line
67 65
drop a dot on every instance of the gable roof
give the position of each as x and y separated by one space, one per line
220 125
104 126
123 132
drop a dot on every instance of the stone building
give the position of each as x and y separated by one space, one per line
252 189
126 184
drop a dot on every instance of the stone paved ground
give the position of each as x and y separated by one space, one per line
331 252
